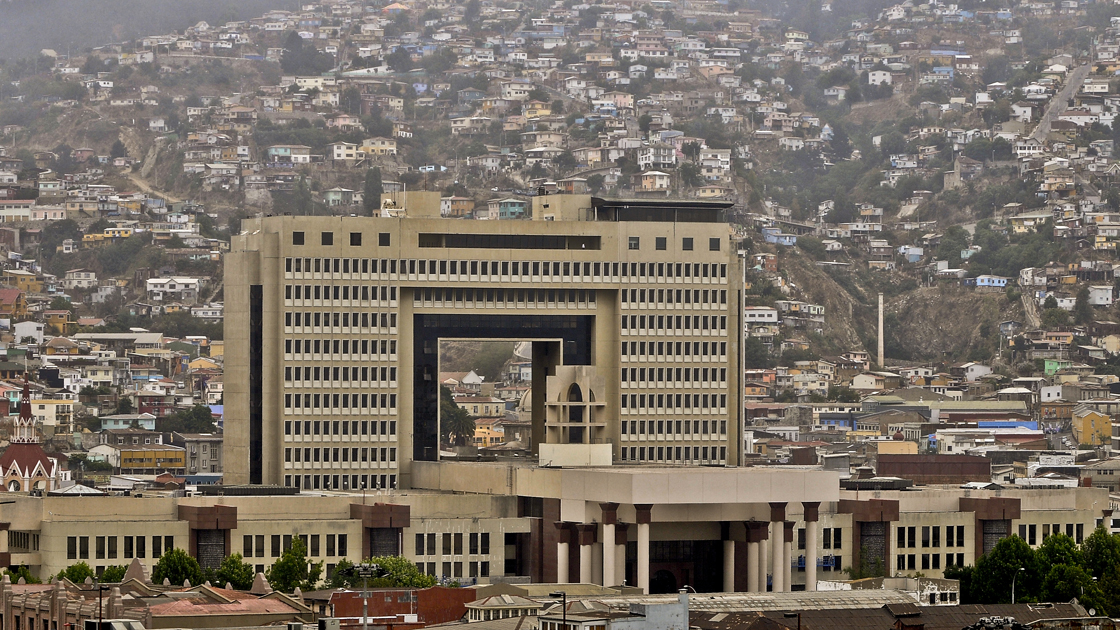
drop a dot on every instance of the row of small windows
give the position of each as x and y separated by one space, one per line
661 243
931 536
674 453
666 427
337 427
506 296
340 482
908 562
702 402
340 401
455 569
506 269
1029 532
327 239
673 322
335 320
345 348
340 374
340 455
705 376
359 292
105 547
703 349
342 347
452 544
666 296
253 546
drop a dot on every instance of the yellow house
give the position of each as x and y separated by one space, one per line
23 280
202 363
217 349
536 109
488 436
1091 427
94 240
58 322
151 459
896 447
379 146
118 232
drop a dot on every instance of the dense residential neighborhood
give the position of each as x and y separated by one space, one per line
657 314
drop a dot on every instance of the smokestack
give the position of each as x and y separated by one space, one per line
881 359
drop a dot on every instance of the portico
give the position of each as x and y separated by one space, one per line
664 528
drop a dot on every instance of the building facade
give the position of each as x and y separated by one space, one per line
334 326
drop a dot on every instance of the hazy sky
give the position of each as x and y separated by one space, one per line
28 26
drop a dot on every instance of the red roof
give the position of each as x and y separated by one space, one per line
26 456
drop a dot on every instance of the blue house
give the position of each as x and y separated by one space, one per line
998 282
775 235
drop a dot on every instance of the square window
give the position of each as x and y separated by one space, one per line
713 244
297 238
355 239
634 242
686 244
660 243
383 239
328 238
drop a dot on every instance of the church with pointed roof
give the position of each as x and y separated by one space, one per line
24 464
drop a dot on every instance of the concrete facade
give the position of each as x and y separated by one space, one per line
633 307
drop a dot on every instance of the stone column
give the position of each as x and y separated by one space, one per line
756 560
812 509
563 574
610 518
586 533
790 534
778 551
729 566
644 517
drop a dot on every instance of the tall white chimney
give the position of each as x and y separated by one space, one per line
881 358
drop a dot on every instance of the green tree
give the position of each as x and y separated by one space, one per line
236 571
371 193
293 569
118 150
995 570
1059 549
124 405
1053 317
77 573
690 175
595 183
455 423
23 572
1082 310
1101 551
644 121
1065 582
113 573
557 107
197 419
391 572
176 566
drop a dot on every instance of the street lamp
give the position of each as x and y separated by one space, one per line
791 615
562 595
1016 575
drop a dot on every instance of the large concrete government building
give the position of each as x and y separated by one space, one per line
334 325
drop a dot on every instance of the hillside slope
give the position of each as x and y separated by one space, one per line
944 322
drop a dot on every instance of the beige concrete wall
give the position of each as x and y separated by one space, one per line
258 256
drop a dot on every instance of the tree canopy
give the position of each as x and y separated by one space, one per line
293 569
176 565
1058 571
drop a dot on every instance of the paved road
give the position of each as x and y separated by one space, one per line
1060 101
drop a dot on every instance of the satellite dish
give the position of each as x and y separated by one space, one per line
1092 612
